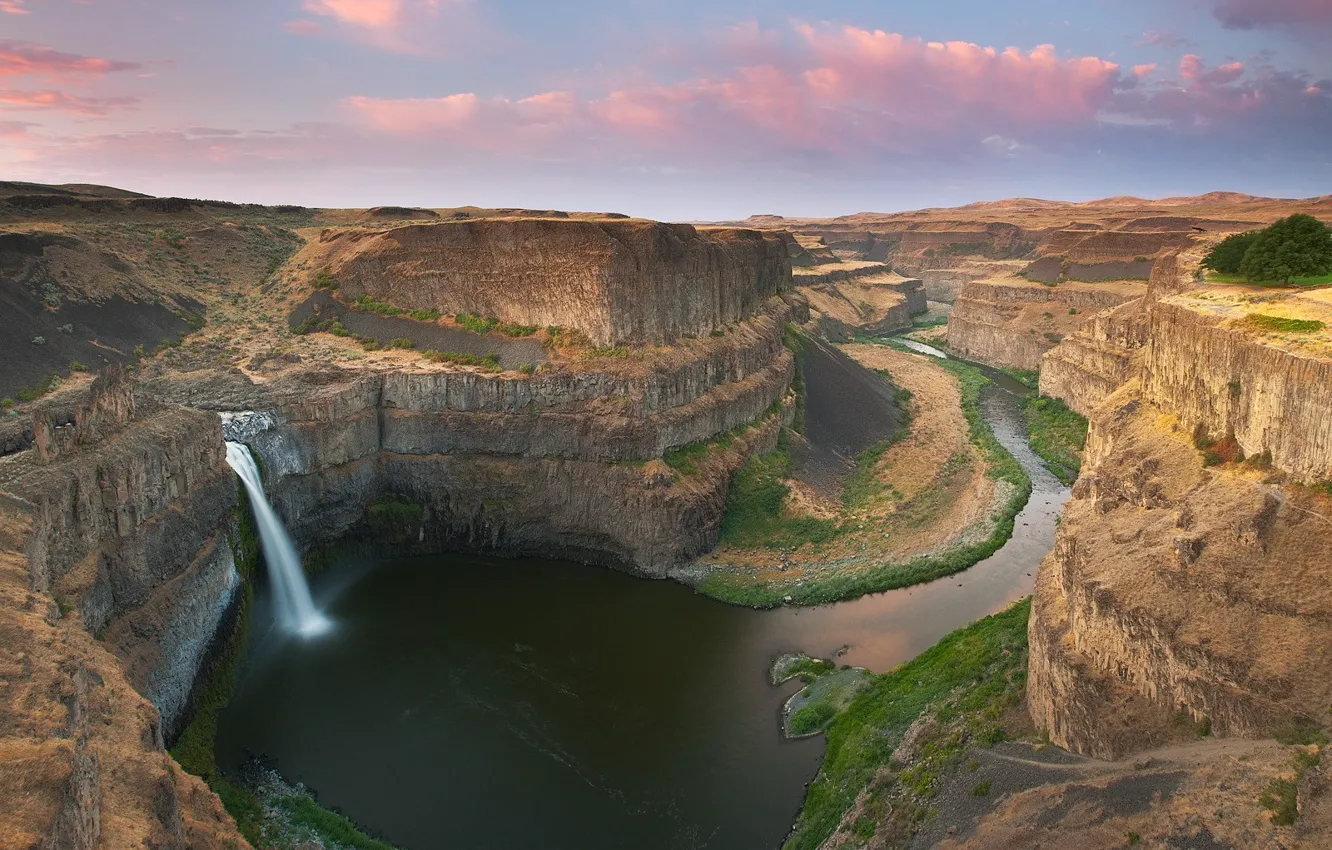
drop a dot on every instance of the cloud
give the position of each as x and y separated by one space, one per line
15 130
13 7
24 57
1144 70
402 26
846 90
63 102
1264 14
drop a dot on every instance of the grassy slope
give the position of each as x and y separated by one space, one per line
1057 434
965 681
753 493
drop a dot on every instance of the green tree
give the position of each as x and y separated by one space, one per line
1298 246
1226 256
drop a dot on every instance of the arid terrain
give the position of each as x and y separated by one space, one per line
713 404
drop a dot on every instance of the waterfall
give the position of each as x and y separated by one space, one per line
295 608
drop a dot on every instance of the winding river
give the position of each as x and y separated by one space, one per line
473 702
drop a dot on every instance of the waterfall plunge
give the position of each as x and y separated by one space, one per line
295 608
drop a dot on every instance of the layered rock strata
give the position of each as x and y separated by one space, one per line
1012 324
1189 588
557 462
1176 590
619 281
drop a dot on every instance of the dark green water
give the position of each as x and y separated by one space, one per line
469 702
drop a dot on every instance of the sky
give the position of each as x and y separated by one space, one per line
684 110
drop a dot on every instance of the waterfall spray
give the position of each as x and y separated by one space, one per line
295 607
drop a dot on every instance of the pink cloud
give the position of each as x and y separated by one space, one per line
63 102
1143 70
849 90
13 7
403 26
14 130
1259 14
23 57
1191 69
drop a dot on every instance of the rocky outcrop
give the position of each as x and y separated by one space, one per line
1176 591
1096 359
1228 382
619 281
124 534
850 303
1012 324
945 285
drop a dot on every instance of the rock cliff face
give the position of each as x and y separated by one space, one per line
1216 376
557 462
1173 588
1097 359
621 282
1183 585
117 525
1013 324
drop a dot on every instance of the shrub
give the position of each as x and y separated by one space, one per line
139 352
475 323
527 368
401 342
76 366
490 362
425 315
517 330
982 788
812 718
324 280
366 304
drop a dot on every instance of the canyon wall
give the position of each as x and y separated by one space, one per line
1013 323
1188 590
1217 376
553 463
619 281
116 525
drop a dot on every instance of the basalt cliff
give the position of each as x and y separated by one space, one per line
512 386
1191 572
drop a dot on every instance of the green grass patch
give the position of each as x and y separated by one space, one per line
490 362
1057 434
33 393
475 323
425 315
402 342
966 681
1282 795
305 814
1283 325
366 304
864 484
754 515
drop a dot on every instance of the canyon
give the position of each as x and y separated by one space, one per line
590 387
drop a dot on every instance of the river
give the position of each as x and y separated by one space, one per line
473 702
